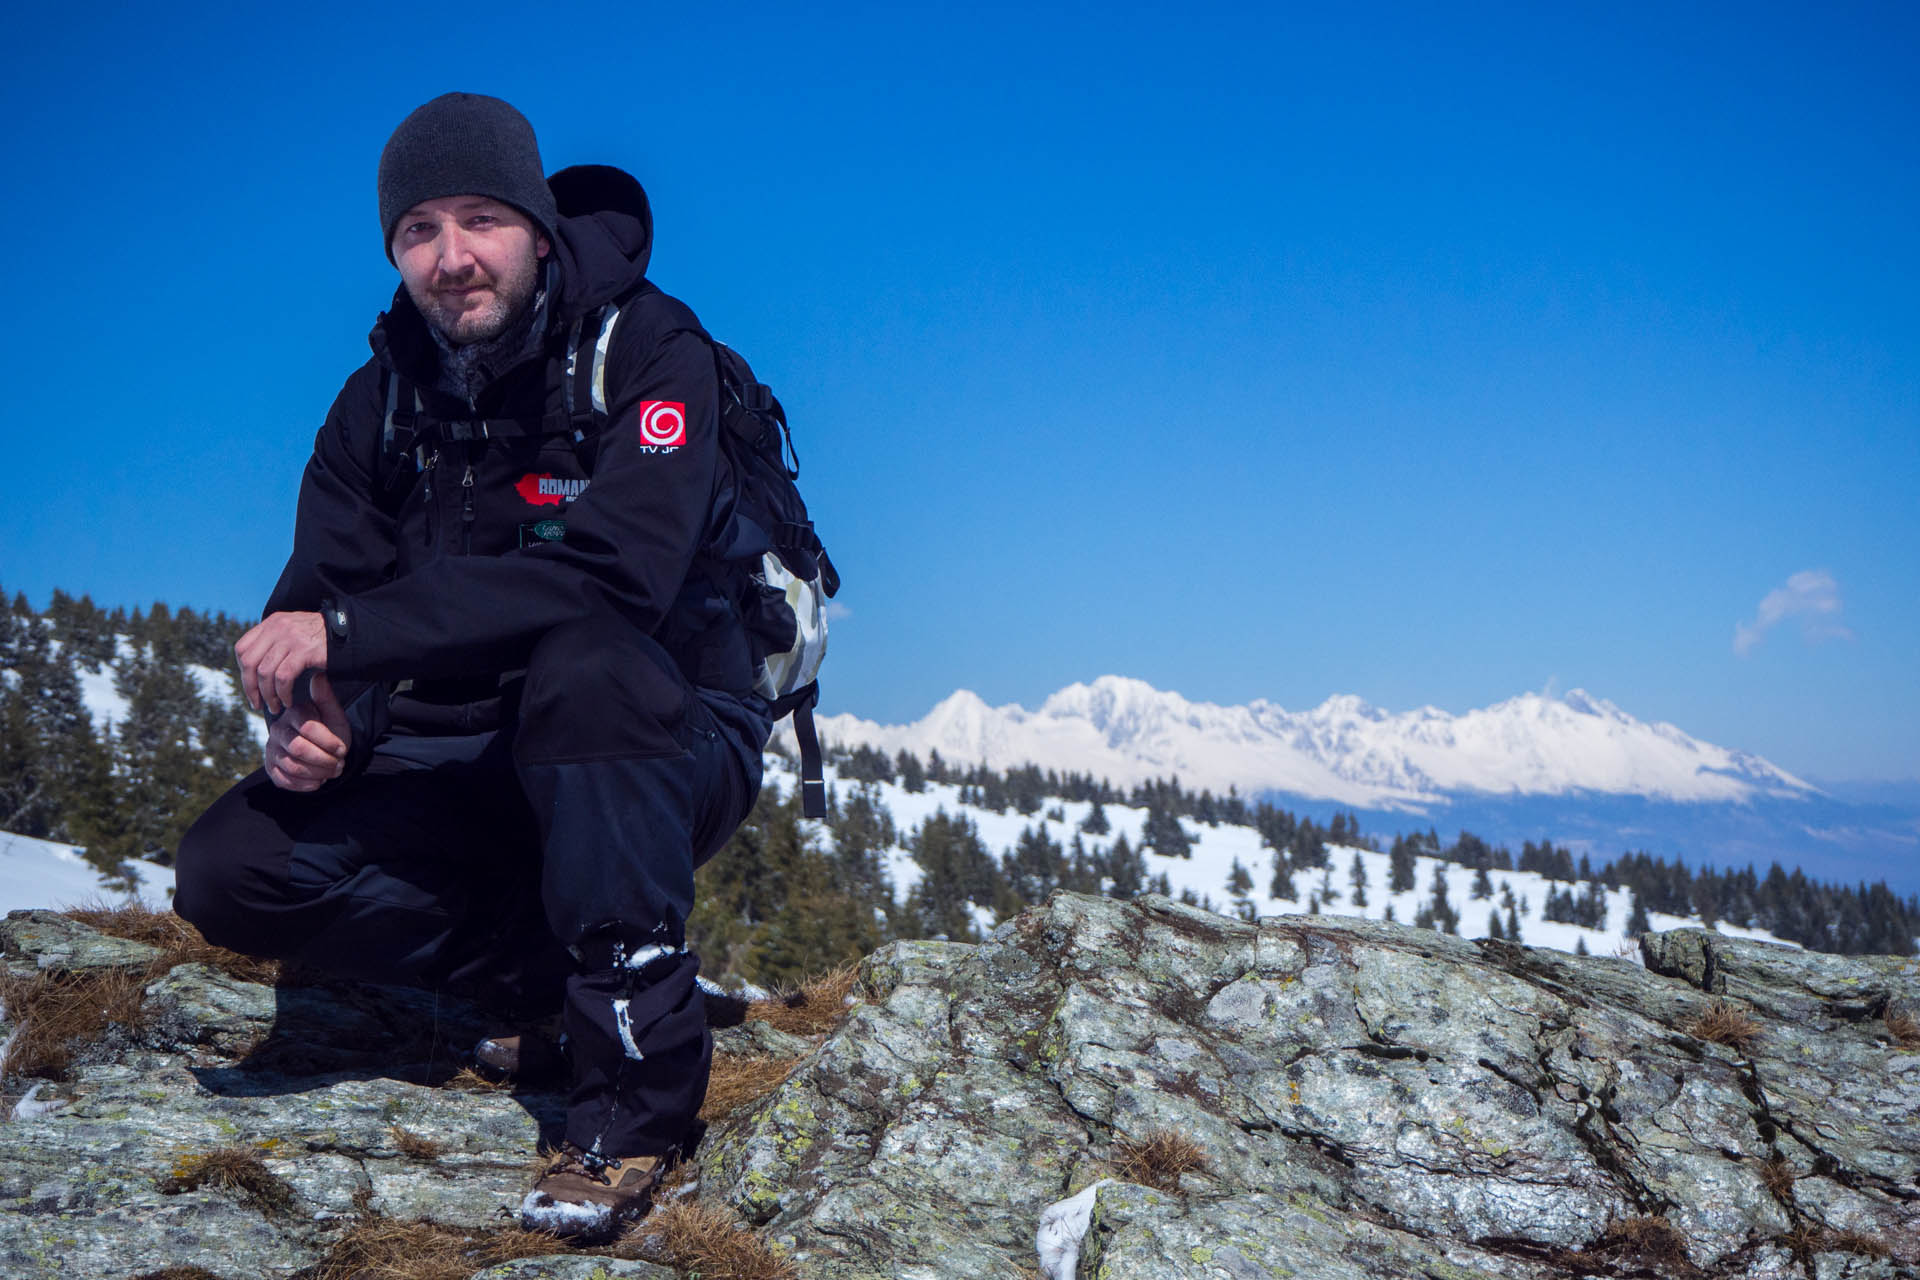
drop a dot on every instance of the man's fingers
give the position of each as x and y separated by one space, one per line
332 714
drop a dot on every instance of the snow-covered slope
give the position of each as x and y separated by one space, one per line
1216 848
1343 751
41 873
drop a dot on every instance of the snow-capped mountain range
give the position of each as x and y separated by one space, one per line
1343 750
1574 768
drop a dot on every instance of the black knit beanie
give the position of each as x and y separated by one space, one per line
463 144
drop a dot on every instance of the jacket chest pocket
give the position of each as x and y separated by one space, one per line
540 483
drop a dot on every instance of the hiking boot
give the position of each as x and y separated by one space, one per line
528 1056
588 1200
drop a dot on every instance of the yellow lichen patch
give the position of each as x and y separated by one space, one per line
740 1082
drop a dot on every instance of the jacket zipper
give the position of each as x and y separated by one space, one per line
466 510
466 488
426 470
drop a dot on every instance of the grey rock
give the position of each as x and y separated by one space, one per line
46 940
1370 1101
562 1266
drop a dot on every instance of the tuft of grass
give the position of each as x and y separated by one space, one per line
1809 1238
381 1249
815 1005
179 942
414 1146
1158 1160
1650 1241
467 1080
178 1273
59 1013
1725 1024
1904 1028
741 1082
1860 1243
56 1014
1779 1177
703 1241
235 1168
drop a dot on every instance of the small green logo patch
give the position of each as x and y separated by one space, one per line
542 531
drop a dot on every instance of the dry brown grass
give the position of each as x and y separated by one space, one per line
813 1006
467 1080
1158 1160
236 1168
56 1014
703 1241
1725 1024
1650 1241
1779 1177
179 942
380 1249
414 1146
178 1273
1904 1028
1808 1238
741 1082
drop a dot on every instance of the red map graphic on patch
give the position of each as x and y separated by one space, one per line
547 489
663 423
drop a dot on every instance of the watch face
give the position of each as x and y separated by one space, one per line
337 621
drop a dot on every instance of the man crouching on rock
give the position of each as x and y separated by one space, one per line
511 706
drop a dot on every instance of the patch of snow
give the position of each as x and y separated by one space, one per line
46 874
1063 1225
30 1106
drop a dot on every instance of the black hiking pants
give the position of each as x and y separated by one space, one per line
544 866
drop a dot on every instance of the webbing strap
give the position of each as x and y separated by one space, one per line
813 779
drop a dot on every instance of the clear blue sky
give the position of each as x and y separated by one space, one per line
1430 353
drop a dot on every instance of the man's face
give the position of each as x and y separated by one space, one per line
470 264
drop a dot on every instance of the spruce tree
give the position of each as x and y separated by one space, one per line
1095 823
1164 834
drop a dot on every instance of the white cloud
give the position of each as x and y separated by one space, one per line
836 611
1812 596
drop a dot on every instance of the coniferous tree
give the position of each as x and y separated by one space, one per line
1125 869
1357 877
1400 865
1095 823
1164 834
955 872
1513 924
1239 880
1637 922
1282 884
1494 930
1482 885
913 776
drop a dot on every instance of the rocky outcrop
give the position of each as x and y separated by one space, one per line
1352 1099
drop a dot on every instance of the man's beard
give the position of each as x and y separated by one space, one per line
511 294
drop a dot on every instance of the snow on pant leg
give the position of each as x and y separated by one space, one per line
633 782
401 874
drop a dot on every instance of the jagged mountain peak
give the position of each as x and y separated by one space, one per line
1345 750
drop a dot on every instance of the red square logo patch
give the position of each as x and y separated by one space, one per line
663 423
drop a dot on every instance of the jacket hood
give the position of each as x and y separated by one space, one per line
601 246
604 239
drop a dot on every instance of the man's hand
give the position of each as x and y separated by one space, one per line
275 653
308 745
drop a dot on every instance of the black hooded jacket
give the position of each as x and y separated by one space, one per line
447 564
